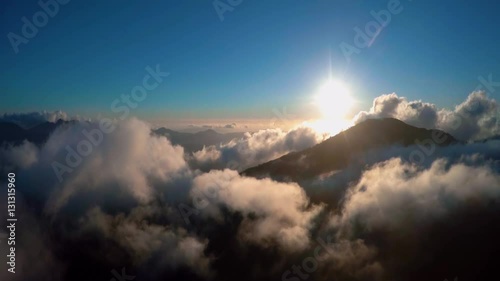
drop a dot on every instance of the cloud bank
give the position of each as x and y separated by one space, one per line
136 202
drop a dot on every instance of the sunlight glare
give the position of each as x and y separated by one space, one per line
334 102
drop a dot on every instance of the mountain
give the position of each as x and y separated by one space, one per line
336 152
11 133
195 141
492 138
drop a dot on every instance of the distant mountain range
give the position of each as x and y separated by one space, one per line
195 141
331 155
336 152
11 133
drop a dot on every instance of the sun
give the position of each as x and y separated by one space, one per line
334 101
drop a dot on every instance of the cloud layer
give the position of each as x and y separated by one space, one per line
130 200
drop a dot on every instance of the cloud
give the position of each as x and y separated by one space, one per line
35 259
255 148
391 190
21 156
30 119
214 126
382 218
420 219
149 244
129 158
330 188
274 213
475 118
121 194
230 126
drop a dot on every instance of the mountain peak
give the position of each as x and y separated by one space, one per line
336 152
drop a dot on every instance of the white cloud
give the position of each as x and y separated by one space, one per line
475 118
256 148
274 213
21 156
129 158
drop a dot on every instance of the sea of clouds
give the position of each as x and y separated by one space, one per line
140 203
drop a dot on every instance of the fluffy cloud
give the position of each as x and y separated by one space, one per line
389 192
21 156
120 192
475 118
148 243
129 158
121 197
255 148
274 213
421 218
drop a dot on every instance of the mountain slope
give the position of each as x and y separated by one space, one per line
336 152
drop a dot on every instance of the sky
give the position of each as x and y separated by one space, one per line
244 63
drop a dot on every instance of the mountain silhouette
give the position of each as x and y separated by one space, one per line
11 133
336 152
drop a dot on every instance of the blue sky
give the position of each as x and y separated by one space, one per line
264 55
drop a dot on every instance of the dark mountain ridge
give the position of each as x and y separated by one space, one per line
11 133
336 152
